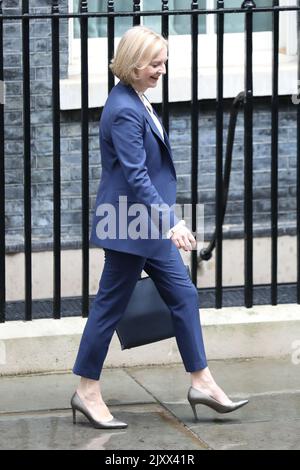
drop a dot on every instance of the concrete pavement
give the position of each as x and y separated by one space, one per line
35 411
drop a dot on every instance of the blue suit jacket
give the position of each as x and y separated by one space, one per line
136 164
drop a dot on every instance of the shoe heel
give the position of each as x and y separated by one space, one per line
193 406
74 415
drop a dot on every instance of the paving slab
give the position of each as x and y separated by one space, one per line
267 422
239 378
271 420
35 410
53 391
282 435
150 428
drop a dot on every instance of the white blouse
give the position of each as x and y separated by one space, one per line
149 108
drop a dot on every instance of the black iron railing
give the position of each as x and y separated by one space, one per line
248 9
2 185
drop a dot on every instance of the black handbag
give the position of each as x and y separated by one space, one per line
147 318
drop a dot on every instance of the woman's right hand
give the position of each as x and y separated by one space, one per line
183 238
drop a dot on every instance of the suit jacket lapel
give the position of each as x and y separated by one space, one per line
150 121
165 141
153 126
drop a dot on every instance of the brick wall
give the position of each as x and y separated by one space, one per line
180 136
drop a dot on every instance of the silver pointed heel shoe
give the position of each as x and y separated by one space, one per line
195 397
77 405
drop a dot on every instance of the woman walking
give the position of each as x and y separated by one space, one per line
137 168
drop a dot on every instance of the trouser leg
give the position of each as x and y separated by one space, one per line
181 296
120 274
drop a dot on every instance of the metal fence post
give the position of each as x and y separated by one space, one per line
27 159
84 155
56 162
136 9
165 79
195 132
274 157
2 178
111 41
248 5
298 165
219 155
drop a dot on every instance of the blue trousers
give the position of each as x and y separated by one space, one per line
120 274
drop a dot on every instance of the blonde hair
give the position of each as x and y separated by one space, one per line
137 48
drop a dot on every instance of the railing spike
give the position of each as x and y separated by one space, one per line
83 6
165 5
55 6
248 4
